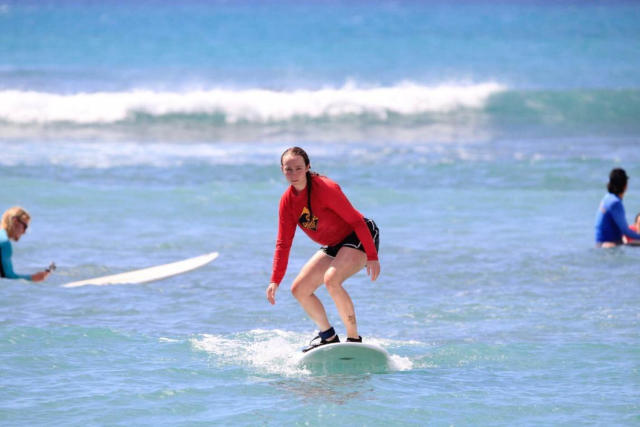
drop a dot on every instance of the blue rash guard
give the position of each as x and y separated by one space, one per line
6 268
611 222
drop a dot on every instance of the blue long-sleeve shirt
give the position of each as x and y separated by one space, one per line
611 222
6 267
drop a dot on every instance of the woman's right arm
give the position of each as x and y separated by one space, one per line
7 266
286 232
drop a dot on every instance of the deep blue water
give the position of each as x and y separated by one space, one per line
478 135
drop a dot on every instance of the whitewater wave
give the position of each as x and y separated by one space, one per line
406 112
243 106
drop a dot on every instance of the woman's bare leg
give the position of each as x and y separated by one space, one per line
347 262
305 284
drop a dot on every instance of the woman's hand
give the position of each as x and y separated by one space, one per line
373 269
39 277
271 292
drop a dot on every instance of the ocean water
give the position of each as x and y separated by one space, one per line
479 136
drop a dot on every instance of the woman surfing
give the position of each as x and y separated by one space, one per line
349 242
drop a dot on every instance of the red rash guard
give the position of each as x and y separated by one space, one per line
334 219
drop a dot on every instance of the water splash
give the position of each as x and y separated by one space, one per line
272 351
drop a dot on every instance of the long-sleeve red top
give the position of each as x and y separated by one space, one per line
334 218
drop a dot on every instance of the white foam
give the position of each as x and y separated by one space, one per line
400 363
250 105
104 155
273 352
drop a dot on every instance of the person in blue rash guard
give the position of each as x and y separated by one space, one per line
611 223
15 222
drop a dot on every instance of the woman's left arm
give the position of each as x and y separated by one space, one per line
343 207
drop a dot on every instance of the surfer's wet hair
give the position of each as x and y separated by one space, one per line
617 181
297 151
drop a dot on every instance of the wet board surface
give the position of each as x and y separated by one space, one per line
346 357
149 274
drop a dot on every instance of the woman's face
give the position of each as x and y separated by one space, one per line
295 171
18 229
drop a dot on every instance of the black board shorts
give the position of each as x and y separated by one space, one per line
352 240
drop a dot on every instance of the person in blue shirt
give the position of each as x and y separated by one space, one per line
15 222
611 223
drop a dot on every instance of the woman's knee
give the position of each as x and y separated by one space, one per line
332 279
299 290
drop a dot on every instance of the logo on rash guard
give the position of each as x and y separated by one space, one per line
306 222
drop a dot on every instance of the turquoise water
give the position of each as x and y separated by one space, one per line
478 135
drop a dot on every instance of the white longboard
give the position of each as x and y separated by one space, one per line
346 357
149 274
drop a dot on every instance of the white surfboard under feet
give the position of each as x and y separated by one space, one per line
346 357
149 274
